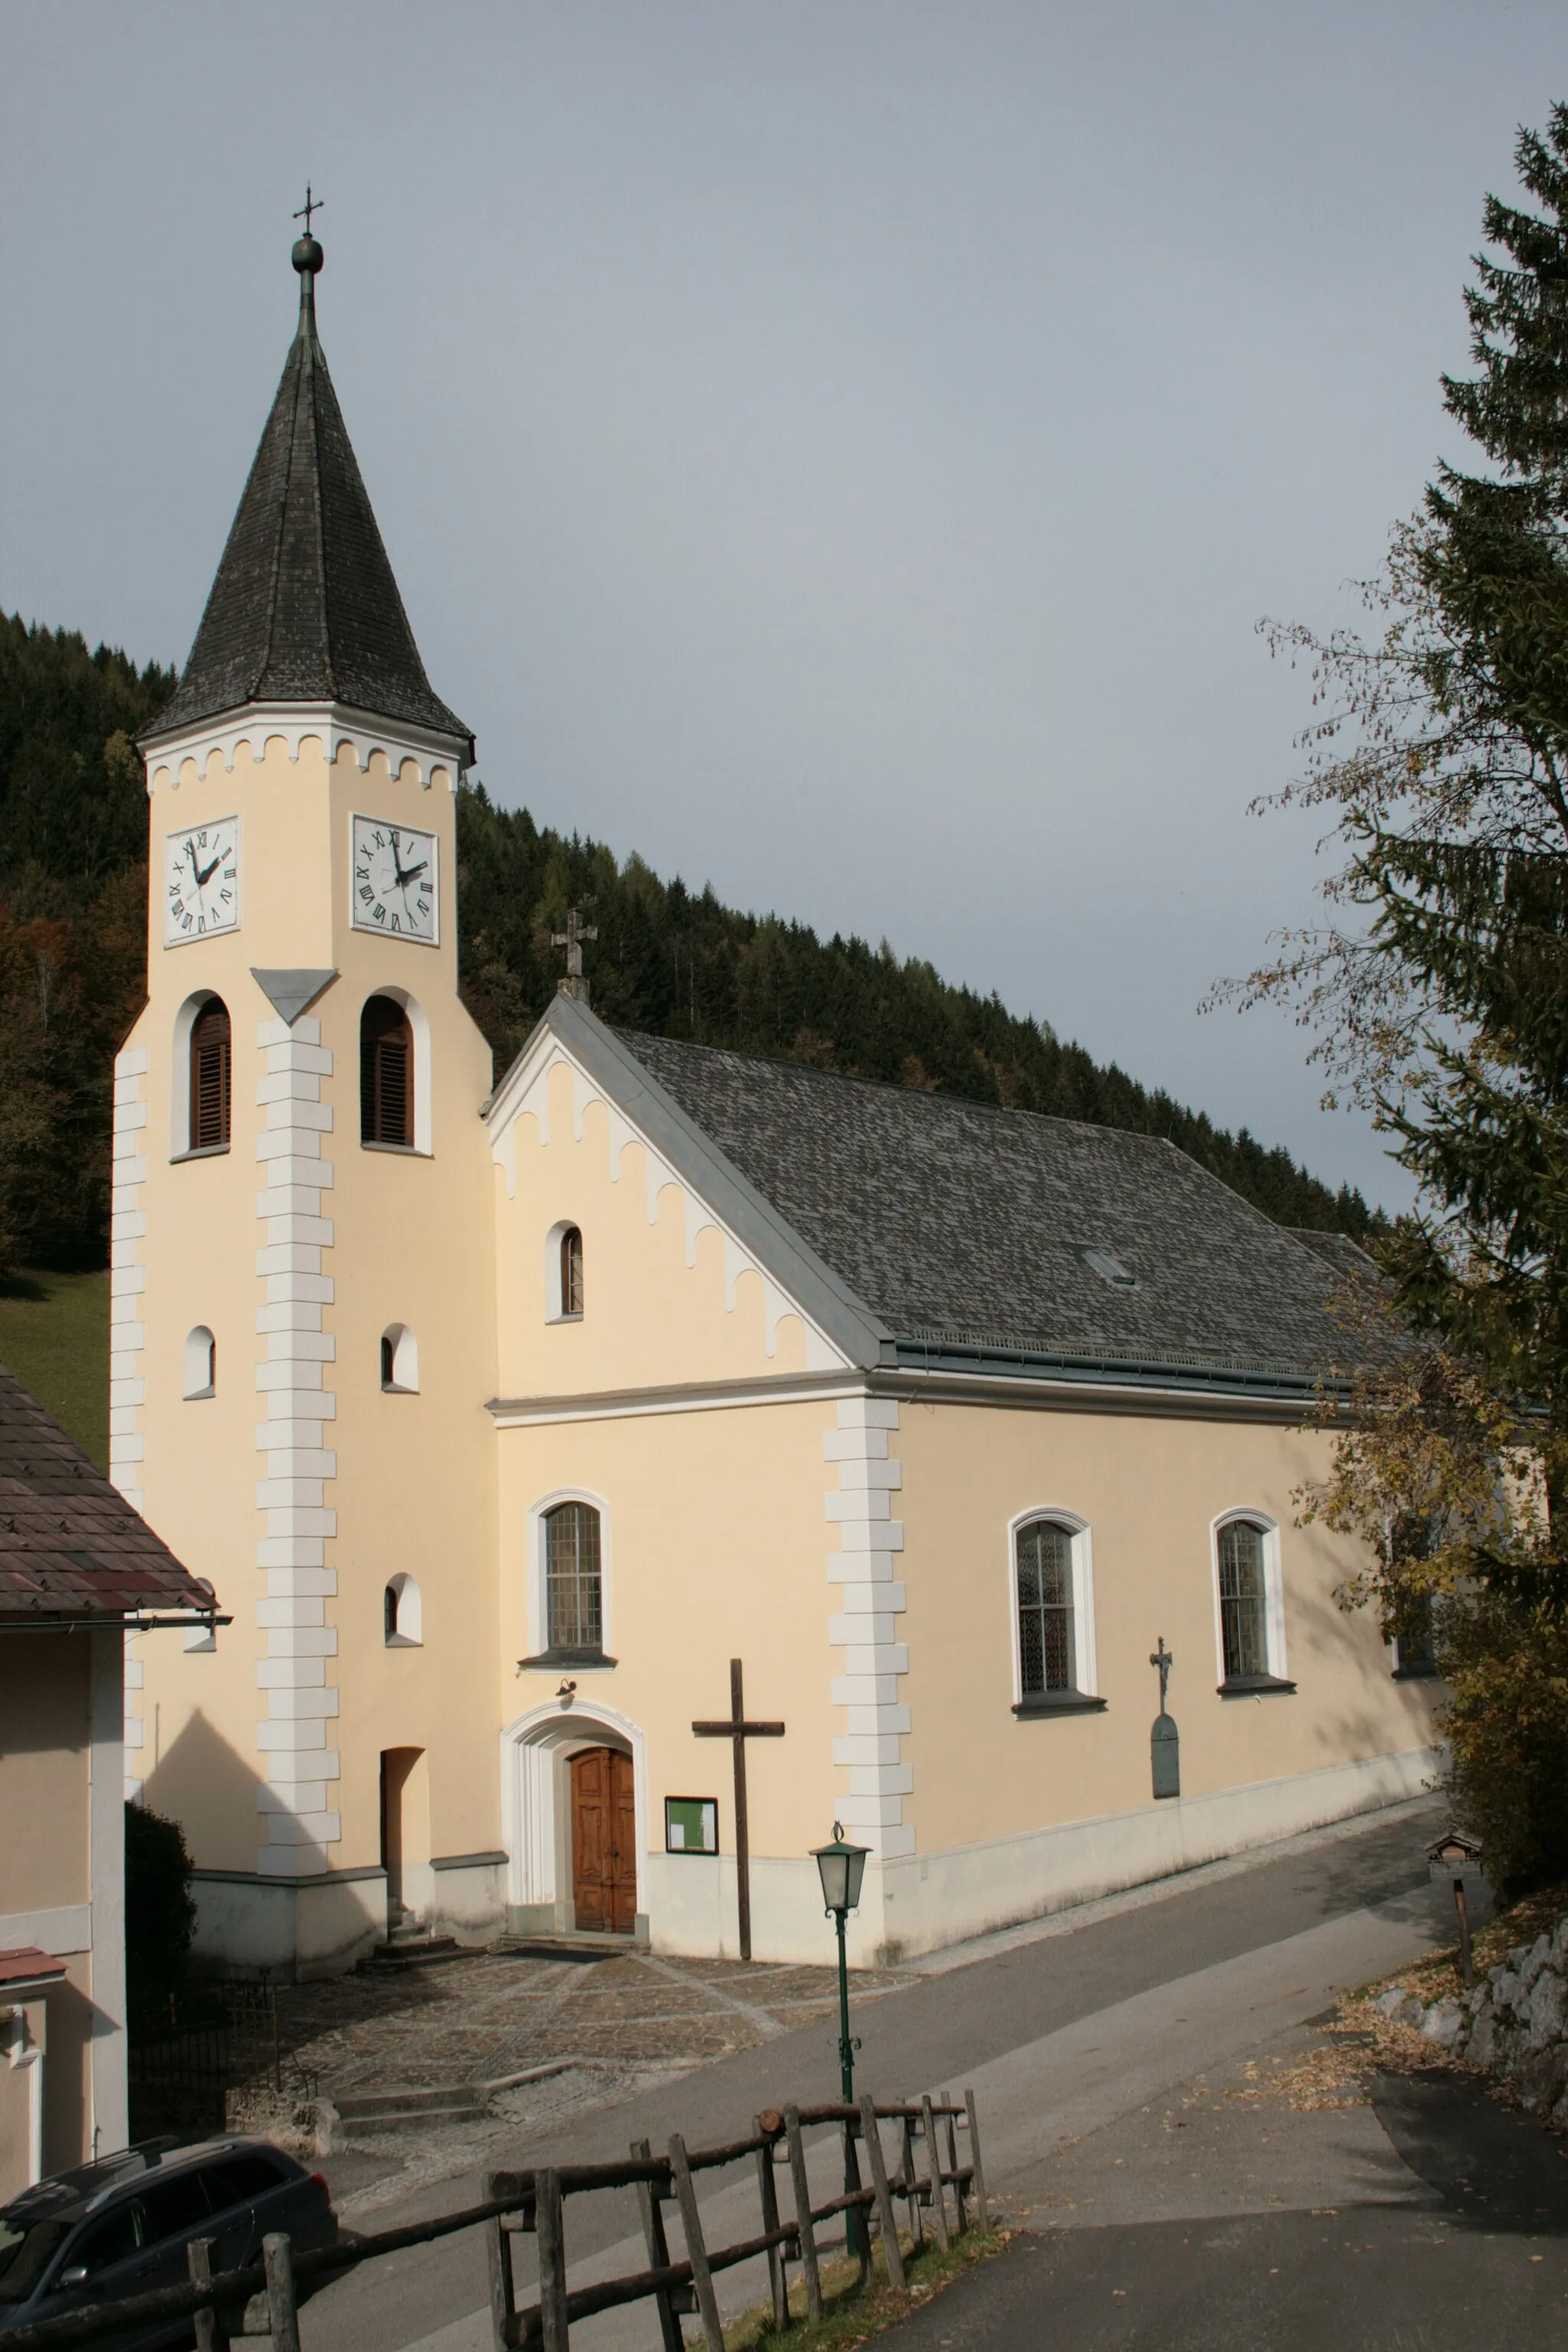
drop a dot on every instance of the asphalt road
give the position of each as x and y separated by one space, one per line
943 2029
1479 2259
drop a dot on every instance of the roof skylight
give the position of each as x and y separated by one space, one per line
1109 1267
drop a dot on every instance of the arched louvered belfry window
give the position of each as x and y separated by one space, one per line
211 1059
385 1073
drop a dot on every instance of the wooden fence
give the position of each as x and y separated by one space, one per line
264 2299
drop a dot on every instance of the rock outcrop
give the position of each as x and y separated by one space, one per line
1514 2023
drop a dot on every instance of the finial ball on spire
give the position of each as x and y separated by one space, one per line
308 255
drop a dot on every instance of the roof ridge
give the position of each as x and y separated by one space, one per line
936 1094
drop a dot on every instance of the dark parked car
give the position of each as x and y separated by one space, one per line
120 2227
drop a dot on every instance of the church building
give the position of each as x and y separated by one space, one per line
534 1430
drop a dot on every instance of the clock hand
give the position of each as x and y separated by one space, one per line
404 879
204 873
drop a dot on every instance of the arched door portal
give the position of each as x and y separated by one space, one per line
603 1841
574 1801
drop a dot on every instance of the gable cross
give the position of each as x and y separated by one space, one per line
572 983
740 1730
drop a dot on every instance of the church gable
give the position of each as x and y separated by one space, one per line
630 1253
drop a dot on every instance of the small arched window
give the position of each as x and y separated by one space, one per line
1244 1599
386 1074
399 1360
211 1056
1048 1648
573 1591
402 1618
571 1273
201 1362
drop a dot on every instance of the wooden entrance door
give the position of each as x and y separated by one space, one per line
603 1841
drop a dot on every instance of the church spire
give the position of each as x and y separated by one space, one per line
304 607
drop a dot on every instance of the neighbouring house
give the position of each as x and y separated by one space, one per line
77 1569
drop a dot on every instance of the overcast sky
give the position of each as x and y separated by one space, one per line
838 448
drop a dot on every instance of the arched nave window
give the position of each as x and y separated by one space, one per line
211 1076
1053 1615
573 1587
386 1074
1251 1604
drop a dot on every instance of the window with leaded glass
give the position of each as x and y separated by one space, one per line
1243 1599
571 1272
1047 1658
1415 1637
572 1579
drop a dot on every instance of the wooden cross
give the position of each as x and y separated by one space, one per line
572 939
737 1729
311 204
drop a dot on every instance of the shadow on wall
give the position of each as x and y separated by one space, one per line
219 1800
72 2020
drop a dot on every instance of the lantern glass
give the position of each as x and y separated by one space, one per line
841 1867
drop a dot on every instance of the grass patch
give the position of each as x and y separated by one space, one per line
54 1335
851 2311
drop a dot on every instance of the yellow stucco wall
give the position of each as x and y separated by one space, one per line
658 1304
411 1244
44 1771
715 1550
1149 1489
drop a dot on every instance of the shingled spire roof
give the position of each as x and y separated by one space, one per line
304 607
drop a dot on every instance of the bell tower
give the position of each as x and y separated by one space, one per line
301 1293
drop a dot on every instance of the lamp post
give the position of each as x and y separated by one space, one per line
841 1867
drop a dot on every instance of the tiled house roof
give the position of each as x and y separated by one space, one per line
71 1546
305 607
965 1228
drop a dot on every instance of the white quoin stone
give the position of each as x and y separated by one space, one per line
293 1380
862 1627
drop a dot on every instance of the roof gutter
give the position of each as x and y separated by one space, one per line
102 1620
1259 1382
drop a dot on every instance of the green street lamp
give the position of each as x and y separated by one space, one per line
841 1867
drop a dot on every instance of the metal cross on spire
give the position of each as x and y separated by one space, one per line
311 204
572 939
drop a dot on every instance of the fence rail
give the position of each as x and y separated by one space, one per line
532 2204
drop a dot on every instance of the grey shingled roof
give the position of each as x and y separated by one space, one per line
961 1225
304 607
71 1545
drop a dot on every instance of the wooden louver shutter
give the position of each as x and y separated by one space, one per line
386 1073
210 1058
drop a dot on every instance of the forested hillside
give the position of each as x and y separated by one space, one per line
72 951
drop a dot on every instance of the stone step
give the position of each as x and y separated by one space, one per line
410 2104
586 1944
404 1950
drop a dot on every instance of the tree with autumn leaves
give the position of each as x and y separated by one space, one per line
1438 989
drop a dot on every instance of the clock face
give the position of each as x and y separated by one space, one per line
393 880
201 881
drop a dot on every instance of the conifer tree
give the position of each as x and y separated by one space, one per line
1439 989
